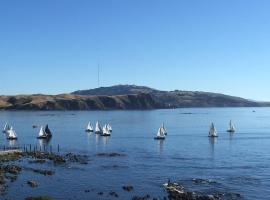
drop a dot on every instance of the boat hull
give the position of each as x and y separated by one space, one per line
11 138
105 135
159 138
44 137
88 131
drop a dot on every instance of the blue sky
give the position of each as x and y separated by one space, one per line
54 46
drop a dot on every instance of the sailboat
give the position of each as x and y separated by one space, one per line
160 134
163 129
44 133
11 134
105 131
231 127
212 131
6 128
98 128
109 127
89 127
48 131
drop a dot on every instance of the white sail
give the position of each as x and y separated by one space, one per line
212 131
231 127
6 127
11 134
109 127
105 130
89 127
41 132
163 129
159 132
98 127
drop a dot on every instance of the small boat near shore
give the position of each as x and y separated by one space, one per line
89 127
44 133
231 127
212 131
11 134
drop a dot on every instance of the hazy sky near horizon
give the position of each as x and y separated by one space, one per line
54 46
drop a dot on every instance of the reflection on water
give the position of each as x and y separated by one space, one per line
101 141
212 141
105 140
12 143
160 144
185 154
44 143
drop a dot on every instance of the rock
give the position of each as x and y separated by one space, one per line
57 159
12 169
40 161
113 194
44 172
39 198
141 198
11 178
41 171
32 183
177 192
82 159
128 188
110 154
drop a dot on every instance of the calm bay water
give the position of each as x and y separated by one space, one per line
237 162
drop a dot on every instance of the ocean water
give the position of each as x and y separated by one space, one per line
234 163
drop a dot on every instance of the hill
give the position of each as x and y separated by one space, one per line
77 102
177 98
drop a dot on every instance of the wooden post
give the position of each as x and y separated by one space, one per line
58 148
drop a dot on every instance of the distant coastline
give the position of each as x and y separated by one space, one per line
124 97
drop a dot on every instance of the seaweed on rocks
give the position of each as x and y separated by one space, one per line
39 198
141 198
5 171
114 154
128 188
178 192
82 159
41 171
39 161
32 183
57 159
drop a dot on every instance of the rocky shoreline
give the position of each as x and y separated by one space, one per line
11 168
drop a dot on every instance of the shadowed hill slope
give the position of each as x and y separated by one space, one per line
77 102
177 98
